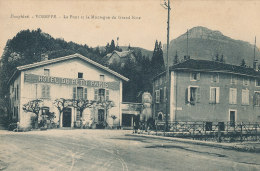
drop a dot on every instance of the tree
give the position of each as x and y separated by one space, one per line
243 63
217 57
222 59
112 46
157 59
60 104
33 106
176 59
129 47
82 104
106 104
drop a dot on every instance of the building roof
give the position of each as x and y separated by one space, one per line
60 59
213 66
120 54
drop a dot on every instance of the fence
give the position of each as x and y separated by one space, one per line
211 131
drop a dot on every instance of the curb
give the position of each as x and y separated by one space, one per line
237 147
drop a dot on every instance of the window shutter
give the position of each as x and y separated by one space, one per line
85 93
43 91
198 95
47 91
187 95
107 94
217 95
74 92
96 94
198 76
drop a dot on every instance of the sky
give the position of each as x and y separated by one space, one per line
135 22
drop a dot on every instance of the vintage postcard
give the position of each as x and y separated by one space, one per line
129 85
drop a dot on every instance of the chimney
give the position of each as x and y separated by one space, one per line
44 57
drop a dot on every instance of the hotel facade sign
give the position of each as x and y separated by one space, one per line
31 78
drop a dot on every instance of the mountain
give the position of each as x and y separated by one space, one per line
205 44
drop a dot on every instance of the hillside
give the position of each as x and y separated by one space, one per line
205 44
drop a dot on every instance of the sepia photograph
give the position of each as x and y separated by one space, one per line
126 85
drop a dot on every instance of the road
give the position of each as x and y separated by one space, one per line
112 150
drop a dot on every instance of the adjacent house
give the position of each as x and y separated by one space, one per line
69 77
202 90
120 57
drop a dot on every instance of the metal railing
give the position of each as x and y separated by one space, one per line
208 131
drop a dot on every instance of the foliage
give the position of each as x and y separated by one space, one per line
106 105
34 107
243 63
157 62
222 59
61 104
82 104
176 59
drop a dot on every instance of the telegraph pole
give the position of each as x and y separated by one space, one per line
167 80
255 61
188 43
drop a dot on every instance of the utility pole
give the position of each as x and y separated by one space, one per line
255 61
167 80
187 43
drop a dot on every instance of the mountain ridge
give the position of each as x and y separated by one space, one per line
204 43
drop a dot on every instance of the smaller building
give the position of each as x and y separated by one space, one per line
202 90
120 57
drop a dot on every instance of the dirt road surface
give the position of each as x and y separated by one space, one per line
112 150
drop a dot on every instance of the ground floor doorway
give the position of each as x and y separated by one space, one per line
66 122
232 117
130 120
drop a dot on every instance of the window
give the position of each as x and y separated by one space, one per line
80 75
246 81
157 96
195 76
214 95
193 95
47 72
257 82
257 98
101 94
233 79
102 78
245 97
107 95
232 96
78 93
161 97
215 78
45 91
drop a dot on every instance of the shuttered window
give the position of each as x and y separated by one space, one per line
45 91
232 96
157 96
245 97
107 94
74 92
257 98
193 95
214 95
85 93
96 94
